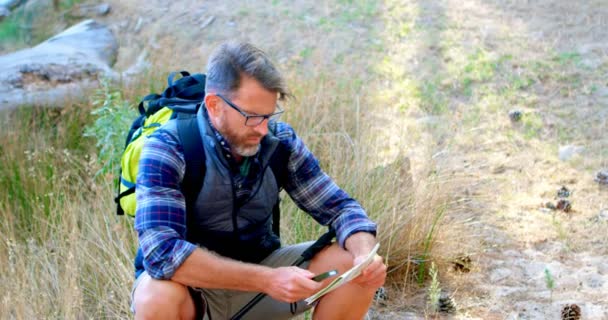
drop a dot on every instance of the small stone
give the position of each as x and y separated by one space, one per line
499 169
550 205
207 22
86 10
603 215
515 115
138 25
103 9
563 192
500 274
568 152
602 177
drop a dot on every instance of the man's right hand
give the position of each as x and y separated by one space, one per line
291 284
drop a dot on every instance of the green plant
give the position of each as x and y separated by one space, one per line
434 289
532 125
549 281
431 98
113 118
427 245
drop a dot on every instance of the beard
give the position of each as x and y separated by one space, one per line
245 151
238 147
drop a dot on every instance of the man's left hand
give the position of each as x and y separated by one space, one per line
372 276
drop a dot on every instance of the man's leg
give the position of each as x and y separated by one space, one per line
162 299
350 301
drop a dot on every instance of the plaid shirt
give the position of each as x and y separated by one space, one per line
160 218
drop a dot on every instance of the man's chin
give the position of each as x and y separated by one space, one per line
247 151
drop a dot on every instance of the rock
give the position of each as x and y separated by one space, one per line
602 177
59 67
207 22
515 115
429 120
568 152
138 25
138 67
603 215
88 10
500 274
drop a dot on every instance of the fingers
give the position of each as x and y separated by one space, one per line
374 274
293 284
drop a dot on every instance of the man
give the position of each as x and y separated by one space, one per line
213 260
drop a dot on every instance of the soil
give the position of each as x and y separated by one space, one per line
517 244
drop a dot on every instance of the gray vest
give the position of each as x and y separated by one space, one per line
243 233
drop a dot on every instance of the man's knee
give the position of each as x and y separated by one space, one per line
332 257
162 299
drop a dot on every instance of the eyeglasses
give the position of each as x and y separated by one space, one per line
253 120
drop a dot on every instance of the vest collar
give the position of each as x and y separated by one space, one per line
267 146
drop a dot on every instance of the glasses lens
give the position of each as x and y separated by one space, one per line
275 116
253 121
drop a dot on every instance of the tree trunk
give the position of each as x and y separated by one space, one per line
61 68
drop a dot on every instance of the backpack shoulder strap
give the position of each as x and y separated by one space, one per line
194 155
278 165
278 161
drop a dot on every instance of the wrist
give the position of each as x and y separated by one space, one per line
263 281
360 244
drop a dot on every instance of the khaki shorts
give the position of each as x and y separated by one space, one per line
223 304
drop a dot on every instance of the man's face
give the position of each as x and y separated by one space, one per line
251 98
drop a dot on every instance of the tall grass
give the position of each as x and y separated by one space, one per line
63 244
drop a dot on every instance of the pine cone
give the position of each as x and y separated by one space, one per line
446 304
564 205
462 264
381 296
571 312
602 177
563 192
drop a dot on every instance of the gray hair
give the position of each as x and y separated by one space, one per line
231 60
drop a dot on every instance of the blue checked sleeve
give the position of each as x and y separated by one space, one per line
160 218
316 193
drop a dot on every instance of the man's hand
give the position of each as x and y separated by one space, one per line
291 284
360 245
372 276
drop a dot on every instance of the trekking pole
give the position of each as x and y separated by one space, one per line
310 252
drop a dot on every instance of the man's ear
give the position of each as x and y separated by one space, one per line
212 104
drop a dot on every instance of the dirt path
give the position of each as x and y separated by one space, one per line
524 244
449 71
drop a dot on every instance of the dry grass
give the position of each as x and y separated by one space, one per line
403 102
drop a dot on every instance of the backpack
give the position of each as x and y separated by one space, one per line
180 100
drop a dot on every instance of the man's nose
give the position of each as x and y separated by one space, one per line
262 128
